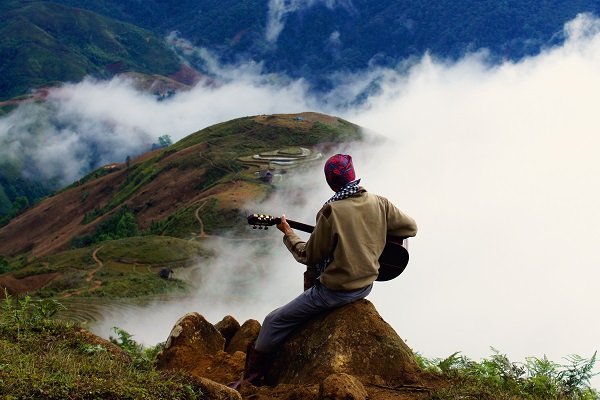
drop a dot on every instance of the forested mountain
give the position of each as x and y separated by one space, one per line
45 43
312 39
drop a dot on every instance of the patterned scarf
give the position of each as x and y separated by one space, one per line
348 190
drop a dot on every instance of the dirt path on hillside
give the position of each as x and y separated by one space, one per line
90 276
203 234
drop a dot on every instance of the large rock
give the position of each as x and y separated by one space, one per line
247 333
228 327
342 387
196 346
352 340
191 340
221 367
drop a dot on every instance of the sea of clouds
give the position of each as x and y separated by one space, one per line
497 163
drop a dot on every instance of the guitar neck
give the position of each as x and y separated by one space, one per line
298 225
264 221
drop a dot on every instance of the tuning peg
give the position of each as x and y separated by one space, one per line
266 227
253 226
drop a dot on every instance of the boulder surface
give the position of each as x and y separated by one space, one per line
191 339
228 327
352 340
247 334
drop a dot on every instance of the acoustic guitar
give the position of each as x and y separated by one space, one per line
392 261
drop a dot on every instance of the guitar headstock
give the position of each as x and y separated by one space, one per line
262 221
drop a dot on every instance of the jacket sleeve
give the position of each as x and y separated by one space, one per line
319 246
399 224
296 246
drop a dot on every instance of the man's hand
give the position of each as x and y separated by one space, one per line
284 227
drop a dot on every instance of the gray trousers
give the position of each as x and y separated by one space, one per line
282 321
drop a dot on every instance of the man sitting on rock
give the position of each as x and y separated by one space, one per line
342 251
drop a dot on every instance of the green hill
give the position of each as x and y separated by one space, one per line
123 223
44 44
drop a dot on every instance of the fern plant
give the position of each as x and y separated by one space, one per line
143 358
498 378
18 315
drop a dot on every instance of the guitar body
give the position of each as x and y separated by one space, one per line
393 259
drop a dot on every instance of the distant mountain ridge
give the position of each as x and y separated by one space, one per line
68 39
314 39
44 44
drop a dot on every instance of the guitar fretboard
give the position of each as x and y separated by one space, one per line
299 225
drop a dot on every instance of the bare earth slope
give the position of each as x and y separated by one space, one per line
176 196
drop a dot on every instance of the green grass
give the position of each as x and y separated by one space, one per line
218 220
182 223
44 358
79 259
41 358
244 136
130 268
153 250
215 219
137 177
116 285
498 378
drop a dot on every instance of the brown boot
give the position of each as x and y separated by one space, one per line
257 363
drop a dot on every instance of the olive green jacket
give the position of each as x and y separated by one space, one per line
352 233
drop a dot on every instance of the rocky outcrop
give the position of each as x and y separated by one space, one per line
342 387
191 339
334 356
228 327
247 333
354 340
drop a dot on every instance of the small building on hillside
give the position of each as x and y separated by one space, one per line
166 273
265 175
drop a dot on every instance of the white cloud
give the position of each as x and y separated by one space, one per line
279 9
498 166
334 38
66 136
110 120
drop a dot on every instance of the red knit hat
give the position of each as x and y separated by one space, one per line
339 171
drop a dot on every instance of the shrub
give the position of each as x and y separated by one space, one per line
121 224
4 266
142 357
499 378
